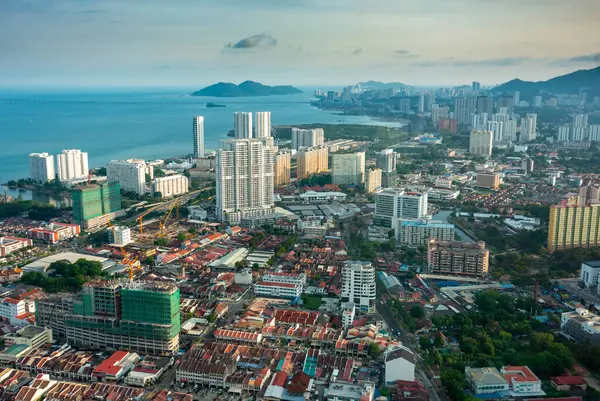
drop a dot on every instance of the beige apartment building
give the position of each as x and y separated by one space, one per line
283 166
574 226
458 258
372 180
312 161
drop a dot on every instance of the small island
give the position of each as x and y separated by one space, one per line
245 89
210 105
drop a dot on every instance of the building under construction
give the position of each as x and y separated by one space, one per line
141 316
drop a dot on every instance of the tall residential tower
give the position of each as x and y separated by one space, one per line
198 129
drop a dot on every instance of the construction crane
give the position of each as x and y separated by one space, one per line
163 223
114 238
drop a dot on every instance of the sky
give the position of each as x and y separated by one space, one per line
193 43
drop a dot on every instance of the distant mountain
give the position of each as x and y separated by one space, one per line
382 85
569 83
245 89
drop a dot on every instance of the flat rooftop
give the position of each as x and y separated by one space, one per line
42 264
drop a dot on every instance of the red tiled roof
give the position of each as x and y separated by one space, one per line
568 380
272 284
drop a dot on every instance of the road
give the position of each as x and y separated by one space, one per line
573 288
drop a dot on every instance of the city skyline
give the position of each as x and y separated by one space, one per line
176 44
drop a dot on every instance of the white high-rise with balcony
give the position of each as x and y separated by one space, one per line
198 130
131 174
480 142
392 204
528 127
262 123
497 128
72 164
358 285
171 185
307 138
41 167
242 124
245 180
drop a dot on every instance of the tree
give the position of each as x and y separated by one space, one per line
454 382
149 260
161 242
211 318
385 392
541 341
417 312
255 266
374 350
181 237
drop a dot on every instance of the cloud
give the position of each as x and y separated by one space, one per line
586 58
401 52
260 40
405 54
495 62
356 52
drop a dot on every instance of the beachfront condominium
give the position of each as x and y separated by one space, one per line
242 124
480 142
140 316
307 138
574 226
198 130
262 123
283 166
457 258
72 164
131 174
348 168
41 167
312 161
528 128
358 285
392 204
245 180
386 160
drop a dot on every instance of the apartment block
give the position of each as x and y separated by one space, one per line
480 142
386 160
307 138
488 180
574 226
415 233
10 244
41 167
457 258
372 180
130 174
348 168
92 203
581 325
171 185
72 164
55 232
312 161
358 285
283 168
392 204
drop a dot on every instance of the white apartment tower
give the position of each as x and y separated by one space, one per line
262 127
198 129
171 185
245 180
528 127
392 204
307 138
242 124
131 174
439 113
348 168
580 125
358 285
564 133
386 160
72 164
497 128
480 142
41 167
510 130
594 132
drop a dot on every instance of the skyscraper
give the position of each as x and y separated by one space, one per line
392 204
464 107
404 106
242 124
245 180
429 101
580 126
307 138
439 113
564 133
198 129
72 164
283 165
475 87
312 161
510 130
372 180
497 128
348 168
485 105
421 106
263 124
537 101
594 132
386 160
516 98
480 142
528 127
41 167
358 285
131 174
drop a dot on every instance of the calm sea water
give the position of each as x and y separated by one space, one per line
131 123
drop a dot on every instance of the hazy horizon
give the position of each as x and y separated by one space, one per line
308 43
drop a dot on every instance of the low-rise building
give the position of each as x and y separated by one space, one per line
148 371
522 381
590 272
568 383
116 366
197 213
485 380
581 325
55 232
37 389
348 313
10 244
277 289
399 365
32 336
338 391
488 180
119 235
319 197
237 336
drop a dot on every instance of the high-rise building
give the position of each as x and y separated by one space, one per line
580 126
574 226
417 232
72 164
92 202
429 101
262 123
457 258
528 127
307 138
464 107
119 235
479 121
41 167
480 142
245 180
198 130
485 104
589 192
386 160
516 98
497 128
505 103
488 180
404 106
372 180
439 113
527 165
348 168
594 132
358 285
392 204
510 130
564 133
283 167
242 124
170 185
421 105
141 316
475 87
131 174
537 101
312 161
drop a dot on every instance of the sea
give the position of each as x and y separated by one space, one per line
146 123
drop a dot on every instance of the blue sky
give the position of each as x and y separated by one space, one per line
302 42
